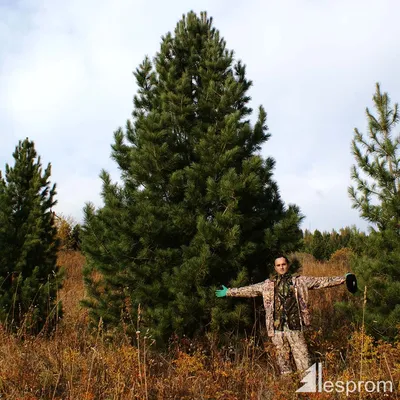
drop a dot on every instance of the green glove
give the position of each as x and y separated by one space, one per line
222 292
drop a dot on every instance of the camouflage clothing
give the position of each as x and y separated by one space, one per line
287 342
286 312
286 309
301 286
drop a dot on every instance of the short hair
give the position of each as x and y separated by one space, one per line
282 256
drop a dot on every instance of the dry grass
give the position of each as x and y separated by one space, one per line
74 364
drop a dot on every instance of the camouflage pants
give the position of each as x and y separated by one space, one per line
286 342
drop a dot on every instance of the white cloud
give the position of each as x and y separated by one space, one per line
39 92
66 82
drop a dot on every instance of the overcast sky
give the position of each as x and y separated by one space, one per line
66 82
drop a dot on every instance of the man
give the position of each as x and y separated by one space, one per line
285 299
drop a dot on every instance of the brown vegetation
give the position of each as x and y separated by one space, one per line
77 364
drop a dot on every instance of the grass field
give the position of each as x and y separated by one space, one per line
74 364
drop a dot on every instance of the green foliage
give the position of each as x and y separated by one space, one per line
28 245
76 237
197 207
377 198
377 193
323 245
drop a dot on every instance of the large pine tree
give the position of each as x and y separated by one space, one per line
28 245
377 197
197 206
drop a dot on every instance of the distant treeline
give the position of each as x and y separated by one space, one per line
323 244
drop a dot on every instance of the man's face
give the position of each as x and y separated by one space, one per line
281 266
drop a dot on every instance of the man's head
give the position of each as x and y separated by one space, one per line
281 265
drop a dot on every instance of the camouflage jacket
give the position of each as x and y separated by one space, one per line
286 309
301 286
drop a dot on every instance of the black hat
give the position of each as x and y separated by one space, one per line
351 283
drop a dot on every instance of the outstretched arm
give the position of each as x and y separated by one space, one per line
245 291
313 282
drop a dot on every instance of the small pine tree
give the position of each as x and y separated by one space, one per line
198 207
377 194
377 197
76 237
28 244
318 246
